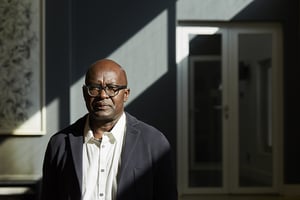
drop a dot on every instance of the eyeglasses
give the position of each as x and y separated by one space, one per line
110 90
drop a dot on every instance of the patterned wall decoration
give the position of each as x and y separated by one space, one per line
21 67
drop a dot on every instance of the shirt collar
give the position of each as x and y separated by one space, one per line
116 134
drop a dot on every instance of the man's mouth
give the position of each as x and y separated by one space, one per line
101 106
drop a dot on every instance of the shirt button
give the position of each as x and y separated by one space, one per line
103 146
102 170
101 194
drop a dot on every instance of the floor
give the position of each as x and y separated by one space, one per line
17 197
202 197
239 197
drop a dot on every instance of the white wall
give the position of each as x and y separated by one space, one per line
209 10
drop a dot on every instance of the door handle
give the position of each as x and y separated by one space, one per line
226 111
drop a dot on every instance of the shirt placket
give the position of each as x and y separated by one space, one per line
102 168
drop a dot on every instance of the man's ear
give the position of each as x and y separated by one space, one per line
126 94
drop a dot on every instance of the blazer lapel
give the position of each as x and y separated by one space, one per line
131 138
76 143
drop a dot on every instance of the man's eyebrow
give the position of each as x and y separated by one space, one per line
108 84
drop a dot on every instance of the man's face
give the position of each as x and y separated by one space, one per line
103 107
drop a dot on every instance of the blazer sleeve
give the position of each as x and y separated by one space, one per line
59 180
49 179
164 172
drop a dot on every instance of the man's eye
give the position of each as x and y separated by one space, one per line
94 88
112 88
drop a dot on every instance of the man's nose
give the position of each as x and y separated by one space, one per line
103 94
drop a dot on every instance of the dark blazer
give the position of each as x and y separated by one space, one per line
146 171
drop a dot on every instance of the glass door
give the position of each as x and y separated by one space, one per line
205 106
229 105
258 108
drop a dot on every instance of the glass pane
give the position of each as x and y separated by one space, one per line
255 133
205 125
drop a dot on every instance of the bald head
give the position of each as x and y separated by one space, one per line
109 66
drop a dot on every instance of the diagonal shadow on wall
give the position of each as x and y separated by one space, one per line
90 30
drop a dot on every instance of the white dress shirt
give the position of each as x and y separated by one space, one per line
101 160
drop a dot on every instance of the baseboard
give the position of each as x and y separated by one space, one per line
291 190
14 190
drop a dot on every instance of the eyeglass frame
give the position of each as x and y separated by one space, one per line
115 88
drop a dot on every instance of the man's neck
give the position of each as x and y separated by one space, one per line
99 127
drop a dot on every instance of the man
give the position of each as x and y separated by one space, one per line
108 154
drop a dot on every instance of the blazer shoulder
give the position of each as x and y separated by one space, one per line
75 129
147 131
137 124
